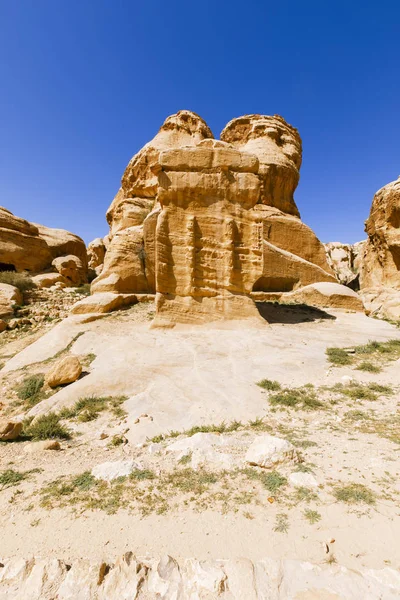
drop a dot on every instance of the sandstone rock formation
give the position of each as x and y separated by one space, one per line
204 223
344 260
9 297
96 251
380 256
30 247
9 430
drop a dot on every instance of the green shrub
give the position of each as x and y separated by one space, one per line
30 388
303 397
47 427
269 385
354 493
338 356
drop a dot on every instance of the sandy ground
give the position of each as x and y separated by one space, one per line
199 375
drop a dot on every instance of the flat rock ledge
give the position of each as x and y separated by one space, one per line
191 579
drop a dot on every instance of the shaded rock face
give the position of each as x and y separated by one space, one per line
30 247
205 222
345 262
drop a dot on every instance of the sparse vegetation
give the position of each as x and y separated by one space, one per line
272 480
369 367
338 356
22 281
30 389
304 494
303 397
89 408
359 391
269 385
9 478
46 427
220 428
312 516
354 493
282 523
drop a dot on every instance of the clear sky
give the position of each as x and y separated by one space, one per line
85 83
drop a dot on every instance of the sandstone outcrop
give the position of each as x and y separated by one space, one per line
345 262
30 247
380 256
204 223
9 297
96 251
71 269
9 430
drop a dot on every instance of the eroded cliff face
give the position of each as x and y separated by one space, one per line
381 256
207 223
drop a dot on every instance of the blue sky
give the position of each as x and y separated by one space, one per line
84 84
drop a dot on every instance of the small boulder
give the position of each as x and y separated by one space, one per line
9 430
47 280
72 268
3 325
267 451
108 471
66 370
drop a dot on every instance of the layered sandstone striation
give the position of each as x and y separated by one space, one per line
35 248
205 223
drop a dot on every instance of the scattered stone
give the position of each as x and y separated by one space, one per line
34 447
66 370
111 470
3 325
346 379
103 436
267 451
103 303
9 430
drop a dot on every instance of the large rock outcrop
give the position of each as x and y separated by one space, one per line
345 262
30 247
380 257
206 223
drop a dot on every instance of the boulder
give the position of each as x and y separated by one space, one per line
108 471
9 297
35 447
9 430
344 261
71 268
326 295
61 243
64 371
47 280
3 325
267 451
102 303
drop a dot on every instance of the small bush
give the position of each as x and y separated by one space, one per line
22 281
272 481
84 481
312 516
369 367
30 387
47 427
304 397
354 493
89 408
10 477
269 385
338 356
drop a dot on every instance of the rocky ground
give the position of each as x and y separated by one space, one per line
158 455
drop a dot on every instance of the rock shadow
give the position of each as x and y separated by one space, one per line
290 314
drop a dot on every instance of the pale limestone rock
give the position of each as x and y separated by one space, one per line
113 469
9 430
303 480
267 451
198 441
71 268
102 303
67 370
9 296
